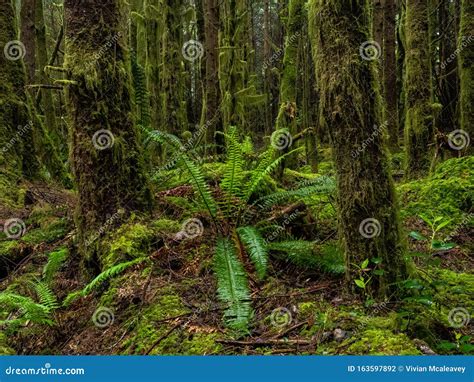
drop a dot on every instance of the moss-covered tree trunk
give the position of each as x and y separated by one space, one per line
211 103
466 68
286 119
105 153
28 37
17 154
350 108
419 121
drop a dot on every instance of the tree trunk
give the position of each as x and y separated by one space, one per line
390 72
350 108
466 70
28 37
106 156
419 122
212 94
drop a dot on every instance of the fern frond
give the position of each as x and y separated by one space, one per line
266 166
141 92
233 176
26 308
320 185
110 273
46 296
232 285
55 261
303 254
256 248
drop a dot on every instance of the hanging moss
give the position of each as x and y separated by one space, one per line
350 108
419 121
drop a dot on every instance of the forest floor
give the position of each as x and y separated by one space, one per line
168 303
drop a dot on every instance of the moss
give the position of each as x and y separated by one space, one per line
448 192
50 232
166 226
9 247
128 242
4 348
382 342
201 344
453 290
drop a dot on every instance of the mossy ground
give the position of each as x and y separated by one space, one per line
168 304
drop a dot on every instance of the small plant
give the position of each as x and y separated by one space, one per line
367 270
433 243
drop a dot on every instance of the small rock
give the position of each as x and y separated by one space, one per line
339 334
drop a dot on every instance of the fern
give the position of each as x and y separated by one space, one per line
55 261
320 185
26 308
233 175
141 92
302 254
256 248
110 273
232 286
46 296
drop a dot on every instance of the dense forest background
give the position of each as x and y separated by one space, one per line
236 176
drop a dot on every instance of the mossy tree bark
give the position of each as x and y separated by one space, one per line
419 120
466 68
287 115
17 156
211 103
28 37
350 108
105 153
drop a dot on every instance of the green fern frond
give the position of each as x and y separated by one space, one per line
26 309
141 92
303 254
256 248
266 166
233 176
232 285
46 296
320 185
110 273
55 261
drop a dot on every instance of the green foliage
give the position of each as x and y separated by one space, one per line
46 296
256 248
232 287
110 273
55 261
141 92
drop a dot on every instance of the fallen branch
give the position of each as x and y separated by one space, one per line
259 343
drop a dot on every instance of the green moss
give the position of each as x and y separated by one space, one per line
381 341
201 344
453 290
4 348
52 231
449 192
9 247
128 242
166 226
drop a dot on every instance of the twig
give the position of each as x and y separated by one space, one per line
259 343
163 337
289 330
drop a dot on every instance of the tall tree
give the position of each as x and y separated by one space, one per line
106 156
28 37
350 108
212 94
419 121
17 157
466 67
390 71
